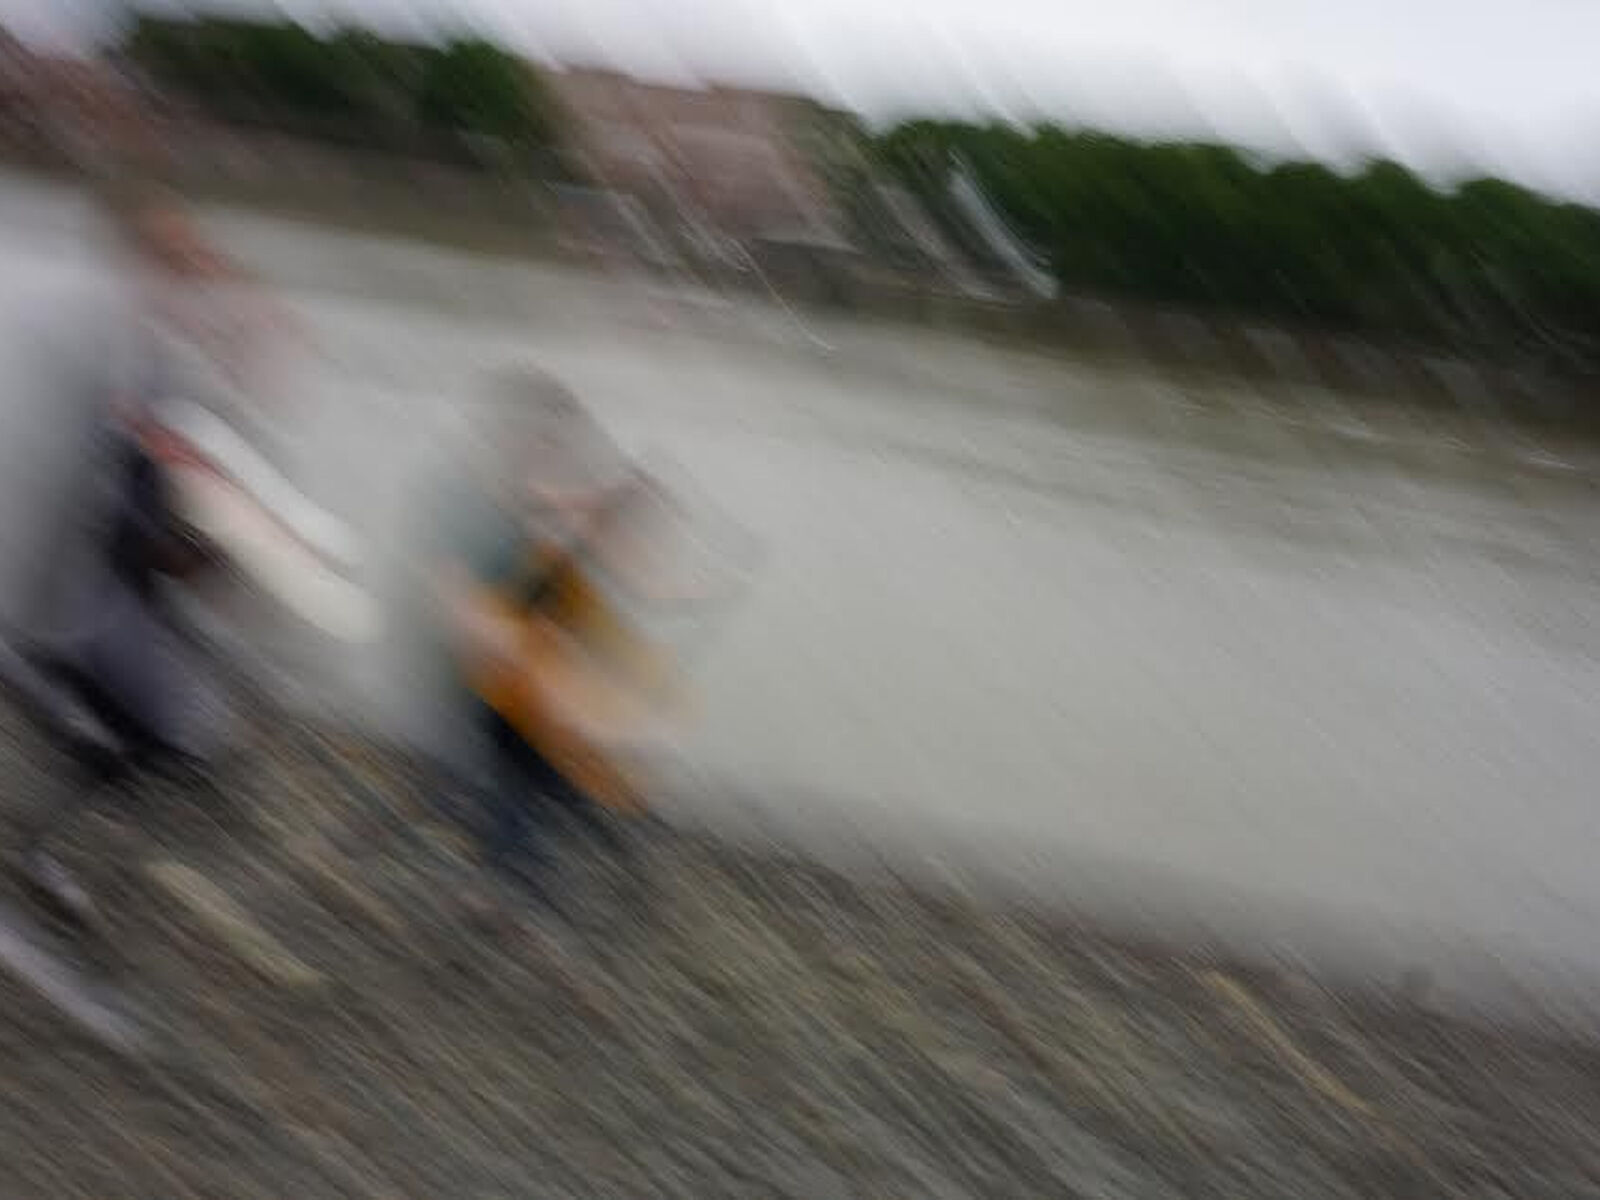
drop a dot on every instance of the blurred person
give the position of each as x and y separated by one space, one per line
96 645
167 493
553 679
192 390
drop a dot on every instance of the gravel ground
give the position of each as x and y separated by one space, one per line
335 1015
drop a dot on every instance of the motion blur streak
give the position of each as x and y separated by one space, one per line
592 616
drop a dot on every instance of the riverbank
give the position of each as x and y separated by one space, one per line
456 211
701 1021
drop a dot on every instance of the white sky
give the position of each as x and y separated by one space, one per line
1447 86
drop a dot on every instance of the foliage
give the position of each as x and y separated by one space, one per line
350 78
1487 267
478 88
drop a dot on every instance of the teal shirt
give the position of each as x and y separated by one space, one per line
477 533
470 529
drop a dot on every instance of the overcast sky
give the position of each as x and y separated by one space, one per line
1448 86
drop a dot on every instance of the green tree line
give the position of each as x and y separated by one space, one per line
350 81
1486 267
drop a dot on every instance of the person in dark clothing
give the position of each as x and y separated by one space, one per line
100 613
110 671
95 647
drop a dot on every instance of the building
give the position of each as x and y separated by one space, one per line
724 168
79 111
727 158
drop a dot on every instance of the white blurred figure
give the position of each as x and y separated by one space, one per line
196 391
